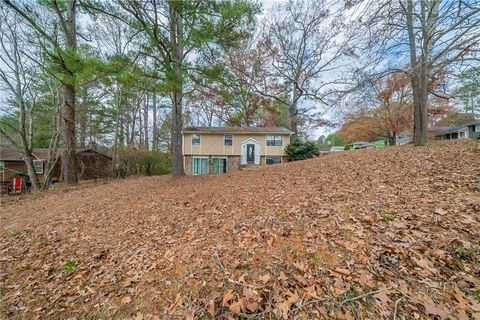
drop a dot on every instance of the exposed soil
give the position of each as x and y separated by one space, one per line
365 234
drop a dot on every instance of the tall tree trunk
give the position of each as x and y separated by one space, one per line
176 35
82 118
145 123
293 113
154 123
26 150
69 159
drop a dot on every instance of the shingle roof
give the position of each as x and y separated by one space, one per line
237 130
457 127
12 154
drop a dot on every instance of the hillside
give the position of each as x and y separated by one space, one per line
390 234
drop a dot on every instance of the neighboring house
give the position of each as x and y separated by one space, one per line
337 148
222 149
91 164
11 161
359 145
402 138
469 130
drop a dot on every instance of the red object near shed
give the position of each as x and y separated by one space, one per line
18 184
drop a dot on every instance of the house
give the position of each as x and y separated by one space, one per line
469 130
91 164
11 162
222 149
402 138
359 145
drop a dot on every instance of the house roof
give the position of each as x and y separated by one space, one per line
278 130
12 154
457 127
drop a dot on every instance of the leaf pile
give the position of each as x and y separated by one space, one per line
365 234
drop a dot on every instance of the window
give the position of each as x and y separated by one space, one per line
200 166
274 140
477 128
461 135
2 166
38 165
273 160
219 165
228 140
195 139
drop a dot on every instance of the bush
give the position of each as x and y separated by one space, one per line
142 162
298 150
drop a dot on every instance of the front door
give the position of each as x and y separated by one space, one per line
250 153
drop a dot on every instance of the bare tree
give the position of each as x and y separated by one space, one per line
304 41
62 52
432 37
17 73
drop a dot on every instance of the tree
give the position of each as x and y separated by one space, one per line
469 91
302 39
64 58
17 74
431 36
175 30
391 112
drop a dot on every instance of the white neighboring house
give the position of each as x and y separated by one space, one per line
403 138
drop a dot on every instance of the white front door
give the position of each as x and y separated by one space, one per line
250 152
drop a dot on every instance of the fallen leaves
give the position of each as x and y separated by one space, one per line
291 241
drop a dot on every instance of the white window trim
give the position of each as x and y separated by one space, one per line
193 161
2 168
38 161
281 159
199 136
222 157
227 134
274 139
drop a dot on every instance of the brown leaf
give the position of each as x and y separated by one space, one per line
265 277
126 300
432 309
227 297
462 301
340 271
211 307
174 306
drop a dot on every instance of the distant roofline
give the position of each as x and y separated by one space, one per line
240 130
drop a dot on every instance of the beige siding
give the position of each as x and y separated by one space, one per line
213 144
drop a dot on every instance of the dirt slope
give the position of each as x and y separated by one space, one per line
390 233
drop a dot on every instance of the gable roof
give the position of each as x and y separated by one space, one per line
12 154
278 130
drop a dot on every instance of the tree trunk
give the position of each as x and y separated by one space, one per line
154 123
145 123
69 159
176 35
293 113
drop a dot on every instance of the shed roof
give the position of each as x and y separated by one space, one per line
278 130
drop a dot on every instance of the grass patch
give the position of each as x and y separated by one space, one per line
352 292
70 266
462 253
389 217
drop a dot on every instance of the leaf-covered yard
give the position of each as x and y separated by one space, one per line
390 234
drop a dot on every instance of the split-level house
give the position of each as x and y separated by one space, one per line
222 149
